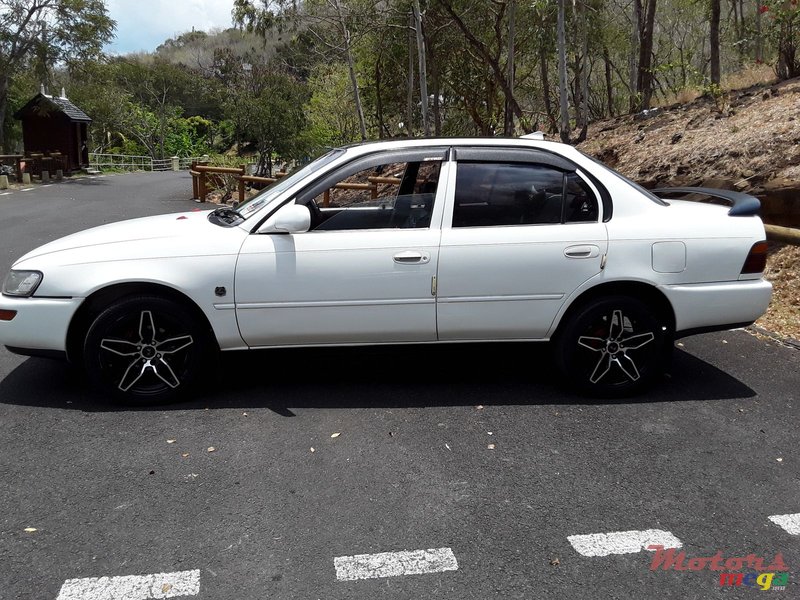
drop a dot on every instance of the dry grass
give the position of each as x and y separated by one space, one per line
748 138
783 270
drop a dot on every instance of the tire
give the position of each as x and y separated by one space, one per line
146 350
613 347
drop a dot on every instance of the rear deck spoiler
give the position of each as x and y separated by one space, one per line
742 204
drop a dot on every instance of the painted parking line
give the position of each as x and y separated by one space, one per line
393 564
789 523
132 587
622 542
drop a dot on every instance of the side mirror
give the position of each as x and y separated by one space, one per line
293 218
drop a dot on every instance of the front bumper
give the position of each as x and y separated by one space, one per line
709 306
40 324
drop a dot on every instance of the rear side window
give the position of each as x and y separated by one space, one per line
497 194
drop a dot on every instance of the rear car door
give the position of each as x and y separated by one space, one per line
523 229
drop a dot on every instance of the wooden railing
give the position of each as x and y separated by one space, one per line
203 175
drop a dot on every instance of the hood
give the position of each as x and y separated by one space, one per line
187 234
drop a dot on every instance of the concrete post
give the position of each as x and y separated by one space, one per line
59 174
45 176
26 179
176 163
3 182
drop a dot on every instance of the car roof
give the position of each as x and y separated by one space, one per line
406 143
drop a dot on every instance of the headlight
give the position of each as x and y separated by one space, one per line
22 283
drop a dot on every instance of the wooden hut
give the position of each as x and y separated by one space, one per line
54 133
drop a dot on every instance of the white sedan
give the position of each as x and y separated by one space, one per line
420 241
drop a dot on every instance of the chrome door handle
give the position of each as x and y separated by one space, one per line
408 257
582 251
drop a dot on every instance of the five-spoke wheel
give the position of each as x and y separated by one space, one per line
613 346
145 349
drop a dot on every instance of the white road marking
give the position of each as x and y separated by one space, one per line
47 185
26 190
789 523
392 564
132 587
622 542
5 194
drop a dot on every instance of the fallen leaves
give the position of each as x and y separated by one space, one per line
166 587
335 435
170 441
490 446
185 454
212 449
312 449
30 529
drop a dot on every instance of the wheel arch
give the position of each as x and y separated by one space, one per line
101 299
645 292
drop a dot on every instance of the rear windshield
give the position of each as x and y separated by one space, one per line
633 184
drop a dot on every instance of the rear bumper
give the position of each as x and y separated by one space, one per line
714 306
40 324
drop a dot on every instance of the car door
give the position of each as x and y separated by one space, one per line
364 271
522 231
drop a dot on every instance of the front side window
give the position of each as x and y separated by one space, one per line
497 194
396 195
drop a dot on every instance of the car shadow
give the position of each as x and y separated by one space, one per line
374 377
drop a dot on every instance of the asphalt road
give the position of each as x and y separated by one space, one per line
707 456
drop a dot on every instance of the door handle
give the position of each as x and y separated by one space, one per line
583 251
408 257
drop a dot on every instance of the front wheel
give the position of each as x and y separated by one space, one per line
146 350
612 347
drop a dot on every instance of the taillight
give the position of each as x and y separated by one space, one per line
756 260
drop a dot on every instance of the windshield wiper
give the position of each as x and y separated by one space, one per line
225 215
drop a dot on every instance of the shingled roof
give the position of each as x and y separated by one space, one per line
42 105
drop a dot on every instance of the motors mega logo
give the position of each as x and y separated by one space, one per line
774 577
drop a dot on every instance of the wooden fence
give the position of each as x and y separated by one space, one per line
205 177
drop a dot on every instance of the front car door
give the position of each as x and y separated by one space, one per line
523 229
364 272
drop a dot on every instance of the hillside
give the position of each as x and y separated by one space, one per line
747 140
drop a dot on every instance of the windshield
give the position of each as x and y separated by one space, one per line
633 184
247 209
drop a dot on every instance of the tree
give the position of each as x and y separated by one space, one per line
49 31
716 11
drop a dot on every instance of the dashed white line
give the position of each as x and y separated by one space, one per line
26 189
5 194
393 564
622 542
789 523
132 587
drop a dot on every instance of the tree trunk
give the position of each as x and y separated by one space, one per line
423 72
548 105
633 62
609 82
714 41
3 109
646 56
351 67
759 37
410 88
583 111
378 103
562 72
508 126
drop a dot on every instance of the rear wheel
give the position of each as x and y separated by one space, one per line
614 346
146 350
